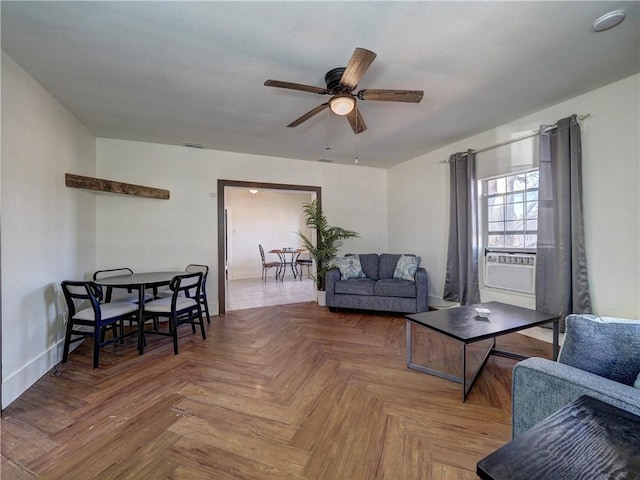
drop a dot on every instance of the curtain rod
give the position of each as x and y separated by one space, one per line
513 140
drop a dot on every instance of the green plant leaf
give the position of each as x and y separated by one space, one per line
329 241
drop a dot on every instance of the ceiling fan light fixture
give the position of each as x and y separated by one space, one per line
342 104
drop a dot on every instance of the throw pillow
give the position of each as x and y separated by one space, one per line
406 267
604 347
350 267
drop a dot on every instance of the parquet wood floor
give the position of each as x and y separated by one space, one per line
283 392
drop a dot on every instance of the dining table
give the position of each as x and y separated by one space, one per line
282 255
140 282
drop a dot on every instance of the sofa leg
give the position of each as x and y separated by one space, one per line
333 309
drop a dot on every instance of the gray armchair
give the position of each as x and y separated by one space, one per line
599 358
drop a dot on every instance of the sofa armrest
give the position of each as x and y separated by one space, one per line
541 387
422 290
330 285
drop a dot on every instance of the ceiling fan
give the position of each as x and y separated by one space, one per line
341 82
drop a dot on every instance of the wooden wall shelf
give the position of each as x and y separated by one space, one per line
108 186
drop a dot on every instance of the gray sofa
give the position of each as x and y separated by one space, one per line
599 358
378 290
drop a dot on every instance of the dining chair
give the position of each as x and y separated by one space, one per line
267 265
180 308
85 309
204 269
121 294
191 268
304 262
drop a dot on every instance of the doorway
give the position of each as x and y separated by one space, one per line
222 223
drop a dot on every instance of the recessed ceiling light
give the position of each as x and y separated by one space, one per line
608 20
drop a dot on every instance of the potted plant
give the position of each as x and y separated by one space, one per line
328 241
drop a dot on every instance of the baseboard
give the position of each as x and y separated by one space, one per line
20 381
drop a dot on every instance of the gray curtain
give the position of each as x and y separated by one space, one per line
461 281
562 284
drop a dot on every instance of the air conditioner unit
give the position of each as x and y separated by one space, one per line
510 271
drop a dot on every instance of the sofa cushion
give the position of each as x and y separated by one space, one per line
387 266
350 267
369 262
355 286
606 348
392 287
406 267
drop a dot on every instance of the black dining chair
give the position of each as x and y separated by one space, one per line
180 308
120 294
85 310
204 269
192 268
267 265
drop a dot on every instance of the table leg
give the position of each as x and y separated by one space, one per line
409 345
466 385
556 339
141 296
294 266
283 265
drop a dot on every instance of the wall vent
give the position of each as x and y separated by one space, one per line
193 145
510 271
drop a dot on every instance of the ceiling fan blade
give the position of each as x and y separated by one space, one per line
295 86
358 64
410 96
308 115
356 121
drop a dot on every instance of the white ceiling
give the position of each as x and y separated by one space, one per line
170 72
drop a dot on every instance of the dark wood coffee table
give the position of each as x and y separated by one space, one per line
587 439
463 325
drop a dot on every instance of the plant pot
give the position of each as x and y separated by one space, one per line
322 298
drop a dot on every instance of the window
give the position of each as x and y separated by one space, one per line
511 211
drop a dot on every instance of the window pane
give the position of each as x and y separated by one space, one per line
497 185
532 195
532 209
497 200
531 241
514 225
495 241
496 226
514 241
515 198
516 183
515 212
492 187
532 225
496 213
532 179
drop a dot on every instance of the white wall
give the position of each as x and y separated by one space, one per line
418 196
48 230
150 234
270 218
